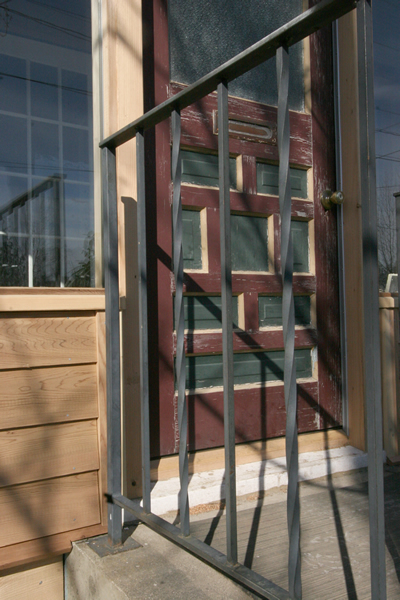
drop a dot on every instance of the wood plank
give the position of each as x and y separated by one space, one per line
102 420
388 302
47 302
40 582
51 291
35 510
34 342
44 548
352 227
389 343
208 460
48 451
49 395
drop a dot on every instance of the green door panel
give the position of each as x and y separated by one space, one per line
270 310
202 169
249 243
300 246
253 367
268 180
191 239
204 312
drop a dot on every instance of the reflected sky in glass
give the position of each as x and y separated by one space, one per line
386 16
387 91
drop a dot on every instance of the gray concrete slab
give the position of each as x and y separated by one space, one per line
156 570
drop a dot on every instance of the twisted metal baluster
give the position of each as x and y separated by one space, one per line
180 322
227 333
143 320
292 457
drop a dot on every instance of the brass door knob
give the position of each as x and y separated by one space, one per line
329 199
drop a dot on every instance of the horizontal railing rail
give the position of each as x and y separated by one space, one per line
276 44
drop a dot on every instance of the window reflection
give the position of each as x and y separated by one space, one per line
46 165
386 17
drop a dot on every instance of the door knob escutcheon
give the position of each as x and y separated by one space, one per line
329 199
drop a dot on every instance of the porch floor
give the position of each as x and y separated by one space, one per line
334 544
334 536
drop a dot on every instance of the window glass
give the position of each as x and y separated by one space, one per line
46 162
386 18
215 29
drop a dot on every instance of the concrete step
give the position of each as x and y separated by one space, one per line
156 569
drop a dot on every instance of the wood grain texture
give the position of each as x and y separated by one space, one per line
272 339
48 451
50 395
102 420
39 582
262 283
33 342
35 510
389 338
44 548
48 302
124 65
352 227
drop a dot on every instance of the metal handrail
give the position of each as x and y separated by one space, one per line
277 43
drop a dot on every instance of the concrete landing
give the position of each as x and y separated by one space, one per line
334 546
156 570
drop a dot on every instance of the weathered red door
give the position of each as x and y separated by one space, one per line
258 339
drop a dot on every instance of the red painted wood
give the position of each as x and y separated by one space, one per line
259 414
251 315
327 298
256 282
271 339
198 129
198 197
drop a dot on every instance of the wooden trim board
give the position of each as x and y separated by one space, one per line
102 420
47 302
207 460
352 226
45 547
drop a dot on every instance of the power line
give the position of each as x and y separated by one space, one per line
387 46
388 153
66 30
392 112
63 87
61 10
388 132
389 159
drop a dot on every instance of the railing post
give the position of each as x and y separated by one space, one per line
227 329
372 369
180 324
288 322
110 253
143 320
